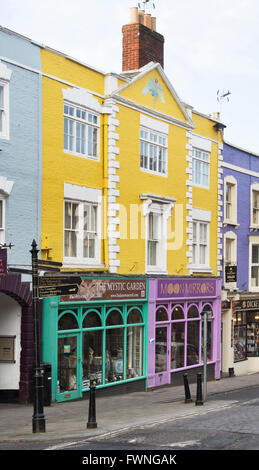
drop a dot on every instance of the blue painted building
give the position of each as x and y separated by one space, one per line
20 204
240 260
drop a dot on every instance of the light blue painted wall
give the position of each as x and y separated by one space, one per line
21 155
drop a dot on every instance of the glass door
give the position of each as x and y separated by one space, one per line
68 368
162 356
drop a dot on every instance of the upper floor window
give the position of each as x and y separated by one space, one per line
81 131
230 206
201 240
200 168
254 205
82 225
5 75
2 220
153 151
230 257
254 263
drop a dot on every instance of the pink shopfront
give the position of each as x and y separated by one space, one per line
175 331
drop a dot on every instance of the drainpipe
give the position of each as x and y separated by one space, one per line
105 190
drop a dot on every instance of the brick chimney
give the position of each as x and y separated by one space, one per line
141 43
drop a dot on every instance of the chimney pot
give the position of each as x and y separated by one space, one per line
134 17
153 23
147 20
141 15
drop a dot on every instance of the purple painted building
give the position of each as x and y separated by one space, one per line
175 329
240 261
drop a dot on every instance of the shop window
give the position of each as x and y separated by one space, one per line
252 334
68 321
114 364
114 318
134 317
67 364
193 342
92 320
177 313
177 345
161 314
207 309
134 351
240 342
92 357
161 349
193 312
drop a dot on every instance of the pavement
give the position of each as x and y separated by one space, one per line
114 414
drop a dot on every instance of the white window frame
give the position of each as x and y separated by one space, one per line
162 210
253 240
150 140
200 216
81 123
2 222
197 157
253 188
83 196
232 182
230 236
5 76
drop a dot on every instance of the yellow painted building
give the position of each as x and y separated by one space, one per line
130 173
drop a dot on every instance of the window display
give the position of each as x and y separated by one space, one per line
252 334
114 366
92 357
67 364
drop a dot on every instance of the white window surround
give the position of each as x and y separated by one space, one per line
160 130
5 76
231 236
161 207
201 216
81 99
200 168
83 195
253 240
6 187
2 219
232 182
253 188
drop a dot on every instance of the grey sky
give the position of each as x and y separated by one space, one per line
209 45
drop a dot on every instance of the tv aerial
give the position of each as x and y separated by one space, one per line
222 96
145 4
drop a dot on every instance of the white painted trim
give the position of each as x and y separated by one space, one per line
253 187
253 240
81 97
201 143
233 236
201 215
231 180
240 169
154 124
6 186
82 193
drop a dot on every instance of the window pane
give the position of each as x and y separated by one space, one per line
67 322
255 254
255 276
67 364
177 345
1 97
193 312
161 314
193 335
92 320
239 343
1 214
152 247
134 317
161 349
114 354
134 351
177 313
114 318
92 357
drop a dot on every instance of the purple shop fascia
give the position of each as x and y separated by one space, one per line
175 330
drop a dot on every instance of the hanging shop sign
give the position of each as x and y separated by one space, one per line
231 273
168 288
109 289
3 262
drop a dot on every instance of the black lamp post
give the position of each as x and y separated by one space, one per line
38 419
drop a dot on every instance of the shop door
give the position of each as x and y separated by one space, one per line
162 356
69 361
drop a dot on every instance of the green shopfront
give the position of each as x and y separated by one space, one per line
100 334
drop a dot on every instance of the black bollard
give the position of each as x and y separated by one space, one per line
186 389
199 391
92 411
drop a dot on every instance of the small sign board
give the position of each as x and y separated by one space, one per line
51 281
7 348
54 291
231 273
